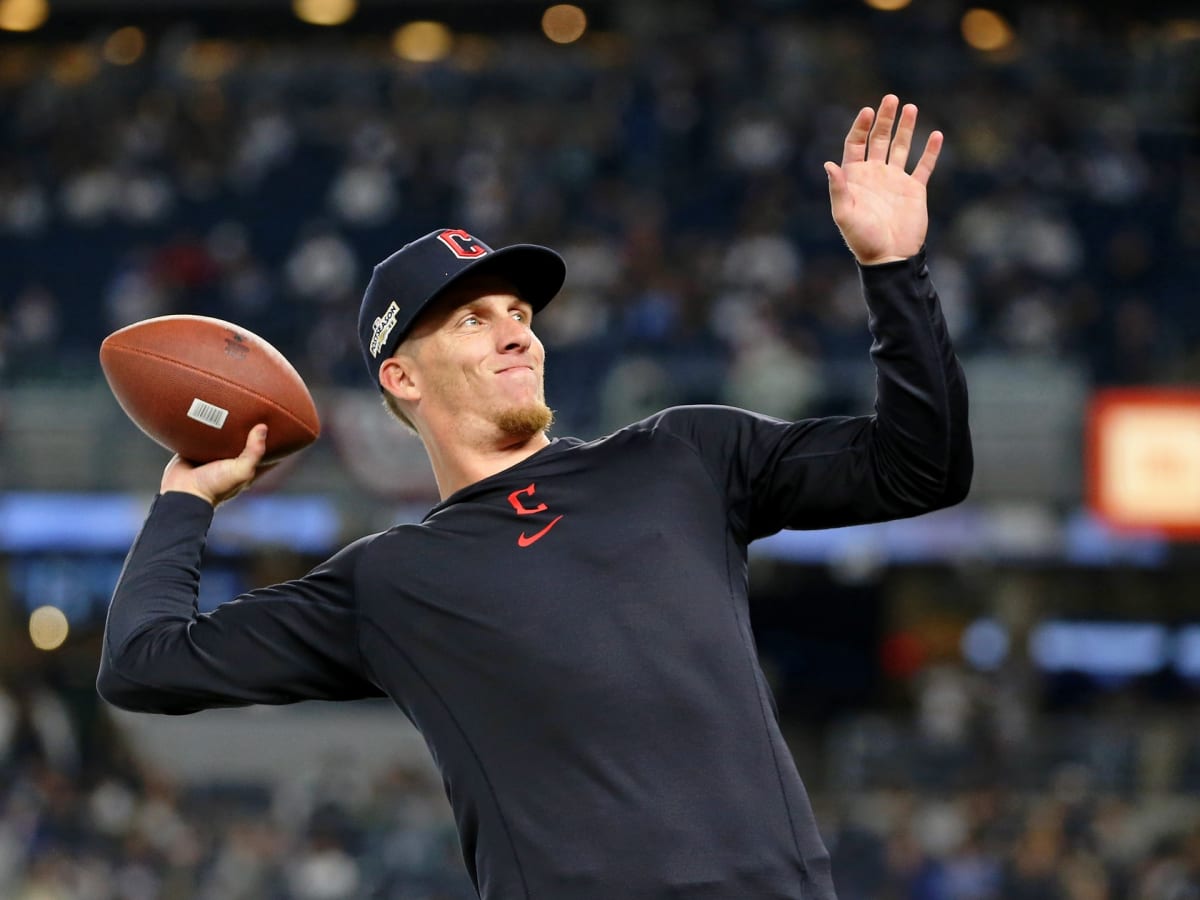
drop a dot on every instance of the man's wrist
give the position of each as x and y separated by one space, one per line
191 493
890 260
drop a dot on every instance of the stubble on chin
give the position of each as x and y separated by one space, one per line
525 421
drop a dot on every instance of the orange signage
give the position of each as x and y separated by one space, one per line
1143 459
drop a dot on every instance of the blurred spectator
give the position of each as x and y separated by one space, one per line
1060 221
135 292
321 268
34 329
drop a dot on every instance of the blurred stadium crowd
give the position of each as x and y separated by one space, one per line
925 817
93 823
676 163
679 172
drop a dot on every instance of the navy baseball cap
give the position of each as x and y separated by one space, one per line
406 283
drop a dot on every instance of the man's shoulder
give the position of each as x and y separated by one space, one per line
687 422
353 554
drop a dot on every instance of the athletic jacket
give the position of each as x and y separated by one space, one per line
571 635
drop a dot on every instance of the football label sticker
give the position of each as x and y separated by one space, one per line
210 415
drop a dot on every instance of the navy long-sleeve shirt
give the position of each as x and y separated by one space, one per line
571 635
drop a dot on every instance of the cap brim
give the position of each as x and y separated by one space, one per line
536 272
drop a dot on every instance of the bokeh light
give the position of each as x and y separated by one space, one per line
208 60
422 42
324 12
1183 30
888 5
48 627
23 15
985 644
564 23
74 64
986 29
472 52
124 46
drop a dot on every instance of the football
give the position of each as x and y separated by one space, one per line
197 385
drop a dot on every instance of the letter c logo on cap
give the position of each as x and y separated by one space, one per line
461 244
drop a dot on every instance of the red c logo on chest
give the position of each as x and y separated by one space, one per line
522 510
514 499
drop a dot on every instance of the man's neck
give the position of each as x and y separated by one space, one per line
457 465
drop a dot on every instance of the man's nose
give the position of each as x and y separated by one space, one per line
512 335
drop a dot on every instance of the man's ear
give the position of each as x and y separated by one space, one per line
396 375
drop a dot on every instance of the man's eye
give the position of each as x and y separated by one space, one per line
471 320
520 316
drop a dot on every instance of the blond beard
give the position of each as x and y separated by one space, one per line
525 421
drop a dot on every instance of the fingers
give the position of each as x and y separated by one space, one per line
235 475
221 479
837 185
245 465
929 158
256 446
855 148
898 155
881 133
871 137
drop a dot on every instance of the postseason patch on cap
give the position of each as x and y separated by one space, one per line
382 327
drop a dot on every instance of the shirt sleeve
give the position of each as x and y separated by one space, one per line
913 455
292 641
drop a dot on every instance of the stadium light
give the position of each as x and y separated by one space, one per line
422 42
324 12
48 627
23 15
564 23
124 46
986 29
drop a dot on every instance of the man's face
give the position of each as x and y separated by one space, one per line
475 360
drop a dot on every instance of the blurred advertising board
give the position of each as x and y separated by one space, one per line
1143 459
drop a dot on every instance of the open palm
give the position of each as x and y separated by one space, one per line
879 207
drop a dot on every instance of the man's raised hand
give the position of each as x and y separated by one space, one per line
878 206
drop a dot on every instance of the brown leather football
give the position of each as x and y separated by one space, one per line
197 385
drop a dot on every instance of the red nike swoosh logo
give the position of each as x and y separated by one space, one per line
524 541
